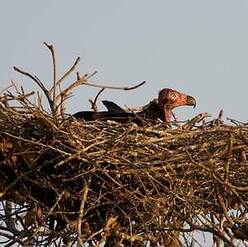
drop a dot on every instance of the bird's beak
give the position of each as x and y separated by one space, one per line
191 101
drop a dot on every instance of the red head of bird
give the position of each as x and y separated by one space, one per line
169 99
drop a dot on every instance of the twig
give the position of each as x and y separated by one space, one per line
71 69
92 74
229 154
80 216
53 91
236 122
5 89
41 85
115 87
211 230
34 142
93 103
9 221
191 123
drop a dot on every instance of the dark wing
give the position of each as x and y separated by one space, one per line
116 113
105 115
112 107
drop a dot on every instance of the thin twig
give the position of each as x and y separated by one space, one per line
67 73
40 84
93 103
53 91
80 216
114 87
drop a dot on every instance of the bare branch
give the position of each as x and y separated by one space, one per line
80 216
40 84
93 103
53 90
69 71
114 87
92 74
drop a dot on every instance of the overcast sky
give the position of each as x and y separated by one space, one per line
199 47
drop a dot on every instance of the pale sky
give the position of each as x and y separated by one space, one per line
199 47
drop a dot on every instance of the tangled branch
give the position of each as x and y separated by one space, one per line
71 182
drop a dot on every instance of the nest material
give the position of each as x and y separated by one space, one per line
122 179
66 181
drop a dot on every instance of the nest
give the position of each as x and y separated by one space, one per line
67 181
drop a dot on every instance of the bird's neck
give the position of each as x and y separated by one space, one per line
167 113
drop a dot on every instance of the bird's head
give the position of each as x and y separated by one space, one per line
169 99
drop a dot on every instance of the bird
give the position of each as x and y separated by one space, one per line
112 107
168 99
114 112
160 108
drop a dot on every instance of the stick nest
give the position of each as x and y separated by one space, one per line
96 182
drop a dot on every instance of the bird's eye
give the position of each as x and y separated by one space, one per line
173 96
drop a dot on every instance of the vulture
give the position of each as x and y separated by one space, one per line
168 99
161 108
